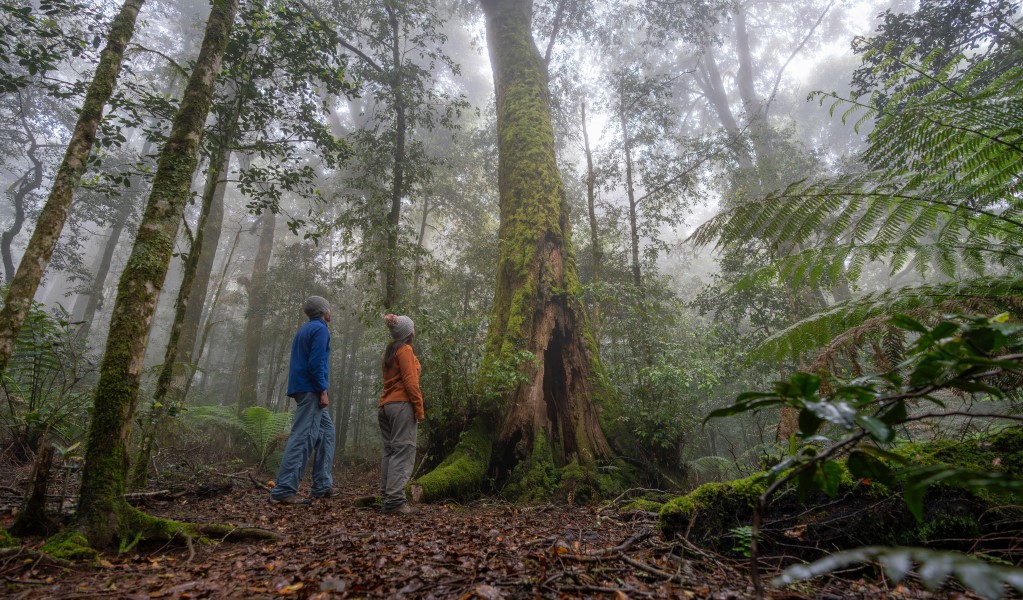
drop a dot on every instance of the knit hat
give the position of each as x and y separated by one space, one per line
315 306
401 327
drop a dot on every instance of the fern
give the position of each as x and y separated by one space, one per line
839 321
264 429
940 191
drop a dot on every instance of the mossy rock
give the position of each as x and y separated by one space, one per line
863 513
7 540
69 545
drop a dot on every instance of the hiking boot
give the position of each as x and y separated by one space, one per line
292 499
403 509
331 493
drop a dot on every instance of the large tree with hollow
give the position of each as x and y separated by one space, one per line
548 417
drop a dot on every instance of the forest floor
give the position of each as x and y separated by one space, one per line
487 550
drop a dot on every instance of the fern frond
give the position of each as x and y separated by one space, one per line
849 320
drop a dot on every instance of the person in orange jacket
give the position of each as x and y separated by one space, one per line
399 412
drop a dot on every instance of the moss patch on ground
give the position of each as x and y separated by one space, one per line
69 545
862 513
7 540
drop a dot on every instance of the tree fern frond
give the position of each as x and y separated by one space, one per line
818 330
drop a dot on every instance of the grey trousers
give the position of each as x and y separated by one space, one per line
398 429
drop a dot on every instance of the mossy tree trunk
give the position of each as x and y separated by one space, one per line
51 220
536 305
102 513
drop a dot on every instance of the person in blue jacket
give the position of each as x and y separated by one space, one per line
312 430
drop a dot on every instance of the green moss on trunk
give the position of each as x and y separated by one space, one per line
103 477
51 220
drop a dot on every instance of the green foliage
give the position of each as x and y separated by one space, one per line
742 537
858 417
939 192
7 540
43 385
987 580
264 429
261 430
35 40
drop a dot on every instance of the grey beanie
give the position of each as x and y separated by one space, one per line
315 306
401 327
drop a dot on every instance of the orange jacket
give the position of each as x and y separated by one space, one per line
401 381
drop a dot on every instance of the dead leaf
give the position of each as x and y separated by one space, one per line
291 589
488 592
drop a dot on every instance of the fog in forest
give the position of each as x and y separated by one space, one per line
733 174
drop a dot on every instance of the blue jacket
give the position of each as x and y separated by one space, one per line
310 358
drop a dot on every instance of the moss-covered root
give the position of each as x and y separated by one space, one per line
464 471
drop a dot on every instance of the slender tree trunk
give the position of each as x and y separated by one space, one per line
170 385
124 213
596 249
630 190
69 175
417 271
350 373
393 264
536 304
209 323
33 518
102 512
744 76
249 372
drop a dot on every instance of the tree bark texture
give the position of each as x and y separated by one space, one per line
248 375
103 477
595 247
630 189
33 518
393 262
69 175
536 305
175 372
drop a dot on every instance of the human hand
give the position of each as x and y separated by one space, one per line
324 400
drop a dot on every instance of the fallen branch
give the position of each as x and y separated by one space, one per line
259 486
632 541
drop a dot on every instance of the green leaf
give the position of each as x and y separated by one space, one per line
894 413
909 324
864 466
828 477
878 429
809 423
